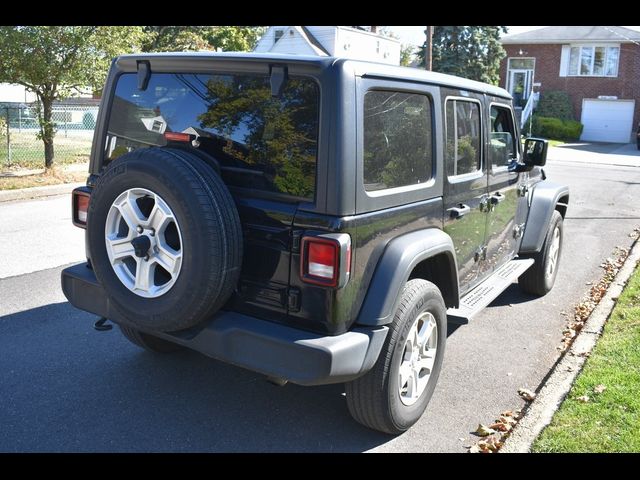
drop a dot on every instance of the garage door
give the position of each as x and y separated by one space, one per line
607 120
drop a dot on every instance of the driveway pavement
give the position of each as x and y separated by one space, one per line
626 155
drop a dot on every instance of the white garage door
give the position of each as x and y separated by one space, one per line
607 120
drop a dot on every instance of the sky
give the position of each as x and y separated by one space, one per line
415 35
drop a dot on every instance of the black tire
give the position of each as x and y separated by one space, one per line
534 280
374 398
211 237
149 342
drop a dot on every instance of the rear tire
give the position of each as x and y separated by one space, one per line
149 342
381 399
540 277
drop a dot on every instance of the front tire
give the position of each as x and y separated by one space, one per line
394 394
540 277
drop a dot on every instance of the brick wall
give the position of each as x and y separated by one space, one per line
547 71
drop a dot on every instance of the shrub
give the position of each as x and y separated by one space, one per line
555 104
555 128
3 127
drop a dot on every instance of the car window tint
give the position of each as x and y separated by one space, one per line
462 152
502 147
262 142
397 139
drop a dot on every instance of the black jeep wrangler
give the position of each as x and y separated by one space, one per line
317 220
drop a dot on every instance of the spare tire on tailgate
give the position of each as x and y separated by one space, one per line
165 238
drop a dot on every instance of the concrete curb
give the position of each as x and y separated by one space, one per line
36 192
557 386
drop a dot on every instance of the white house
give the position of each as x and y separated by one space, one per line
10 92
328 41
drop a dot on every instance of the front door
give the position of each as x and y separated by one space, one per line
505 193
465 188
520 84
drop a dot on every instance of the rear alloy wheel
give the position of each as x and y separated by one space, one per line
394 394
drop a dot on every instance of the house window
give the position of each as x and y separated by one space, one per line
279 34
594 61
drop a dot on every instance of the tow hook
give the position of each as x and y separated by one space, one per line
100 325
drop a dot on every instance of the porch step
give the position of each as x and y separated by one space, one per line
487 291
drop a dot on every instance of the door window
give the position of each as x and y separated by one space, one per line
462 154
502 145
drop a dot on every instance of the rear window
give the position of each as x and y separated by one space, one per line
262 142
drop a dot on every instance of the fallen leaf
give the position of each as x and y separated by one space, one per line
484 431
526 394
599 388
583 399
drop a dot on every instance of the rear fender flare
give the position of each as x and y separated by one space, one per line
397 262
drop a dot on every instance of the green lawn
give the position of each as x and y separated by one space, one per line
608 421
28 152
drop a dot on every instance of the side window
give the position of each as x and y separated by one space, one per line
462 153
397 139
502 146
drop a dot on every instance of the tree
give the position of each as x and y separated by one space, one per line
176 39
185 38
471 51
53 61
407 51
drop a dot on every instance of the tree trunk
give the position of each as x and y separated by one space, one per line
46 130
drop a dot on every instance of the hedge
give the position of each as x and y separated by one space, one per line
556 129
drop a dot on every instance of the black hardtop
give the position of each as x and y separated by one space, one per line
358 67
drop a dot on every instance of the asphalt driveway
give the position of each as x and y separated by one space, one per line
66 387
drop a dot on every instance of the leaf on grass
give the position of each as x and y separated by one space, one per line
528 395
599 388
583 399
484 431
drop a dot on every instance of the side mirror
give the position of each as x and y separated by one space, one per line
535 152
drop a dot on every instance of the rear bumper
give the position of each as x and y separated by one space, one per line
268 348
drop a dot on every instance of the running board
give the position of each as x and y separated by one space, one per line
488 291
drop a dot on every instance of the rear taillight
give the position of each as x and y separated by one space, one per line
80 206
326 259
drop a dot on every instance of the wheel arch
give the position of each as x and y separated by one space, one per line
545 198
427 254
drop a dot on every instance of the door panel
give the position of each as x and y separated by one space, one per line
465 189
264 279
504 195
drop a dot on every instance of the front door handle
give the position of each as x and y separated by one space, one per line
460 211
496 198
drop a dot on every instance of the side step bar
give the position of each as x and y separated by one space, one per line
488 291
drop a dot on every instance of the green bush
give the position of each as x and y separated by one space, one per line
555 128
3 127
555 104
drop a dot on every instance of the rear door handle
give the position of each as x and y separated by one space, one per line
460 211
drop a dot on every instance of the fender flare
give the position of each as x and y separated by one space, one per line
544 198
396 263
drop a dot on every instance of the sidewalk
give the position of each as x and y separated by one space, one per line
626 155
37 192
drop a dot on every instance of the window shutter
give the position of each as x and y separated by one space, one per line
564 60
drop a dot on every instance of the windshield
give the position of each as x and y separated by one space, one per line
261 142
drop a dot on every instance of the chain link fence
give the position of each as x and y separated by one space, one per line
20 146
